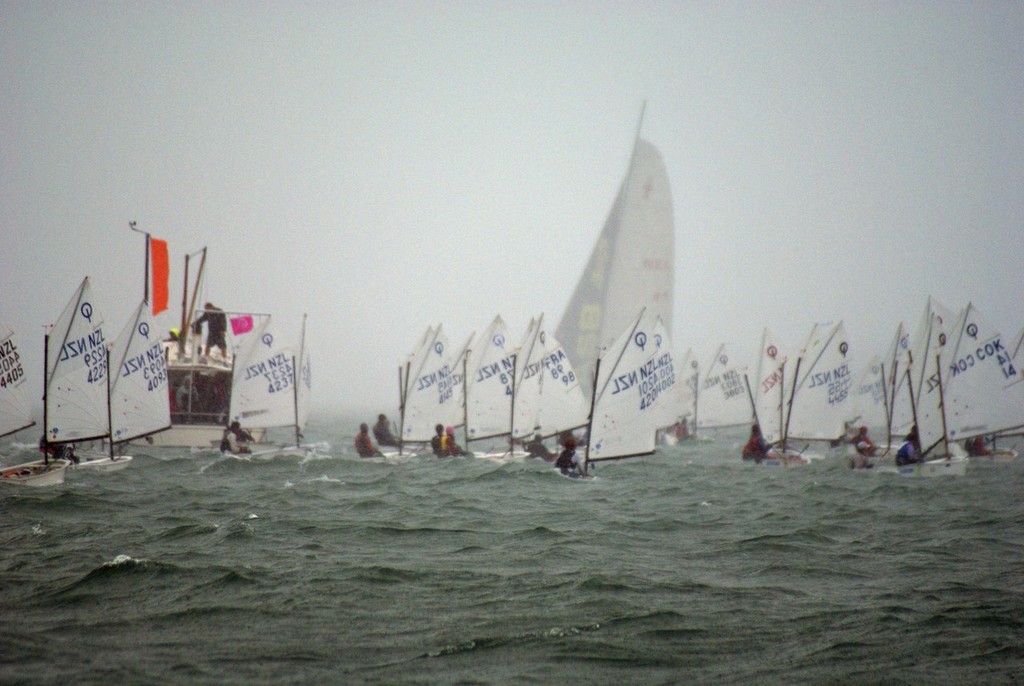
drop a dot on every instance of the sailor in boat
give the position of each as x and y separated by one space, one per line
382 432
437 441
216 329
568 461
756 448
976 447
909 451
449 446
235 439
364 446
53 451
865 448
536 448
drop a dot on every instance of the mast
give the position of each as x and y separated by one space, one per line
792 392
696 397
46 383
145 273
942 405
295 399
753 405
401 405
110 416
590 421
913 403
512 407
465 396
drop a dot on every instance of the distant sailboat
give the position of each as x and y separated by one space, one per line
723 395
632 263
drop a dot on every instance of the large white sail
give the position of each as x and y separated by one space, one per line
668 406
15 412
632 263
983 391
819 396
768 387
631 375
75 402
430 397
261 386
139 402
489 388
723 399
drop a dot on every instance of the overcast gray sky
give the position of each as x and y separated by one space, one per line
384 166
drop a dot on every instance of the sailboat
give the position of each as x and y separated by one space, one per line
924 397
723 395
490 390
632 377
16 415
767 402
428 390
632 263
267 390
138 403
982 389
820 391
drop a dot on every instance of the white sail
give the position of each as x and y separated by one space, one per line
869 402
632 263
430 397
983 390
489 387
631 374
261 385
723 397
563 405
923 363
819 396
768 388
529 380
75 402
139 401
15 412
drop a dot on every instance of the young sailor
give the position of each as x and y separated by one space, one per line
568 461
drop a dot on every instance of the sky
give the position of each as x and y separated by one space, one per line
386 166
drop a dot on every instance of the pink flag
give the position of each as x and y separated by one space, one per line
240 325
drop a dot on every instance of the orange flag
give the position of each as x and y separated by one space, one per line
161 274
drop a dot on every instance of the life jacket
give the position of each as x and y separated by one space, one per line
753 448
564 460
363 445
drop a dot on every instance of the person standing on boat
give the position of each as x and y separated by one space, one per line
756 448
364 446
382 432
216 328
235 439
909 449
568 461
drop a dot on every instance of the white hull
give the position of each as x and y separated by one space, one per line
998 455
103 463
784 459
949 466
283 451
502 455
35 473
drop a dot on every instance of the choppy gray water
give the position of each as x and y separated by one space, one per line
688 566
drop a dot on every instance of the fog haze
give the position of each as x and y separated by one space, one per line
388 166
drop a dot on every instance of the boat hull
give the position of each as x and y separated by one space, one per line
948 466
195 436
35 473
103 463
